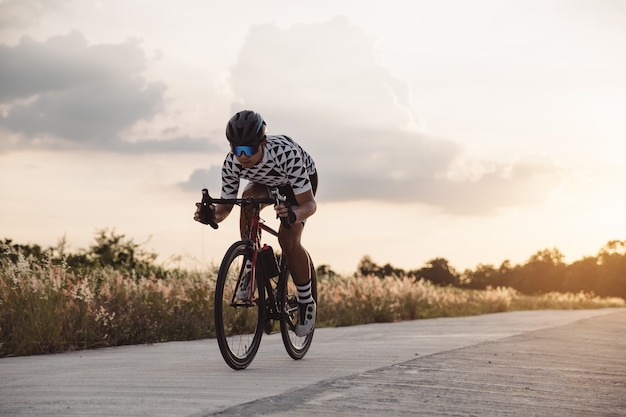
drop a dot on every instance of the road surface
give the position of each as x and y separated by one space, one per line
544 363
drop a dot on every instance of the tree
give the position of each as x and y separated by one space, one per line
612 269
368 267
543 272
325 272
10 251
438 271
484 276
111 249
582 275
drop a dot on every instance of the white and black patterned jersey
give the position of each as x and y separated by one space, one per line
284 163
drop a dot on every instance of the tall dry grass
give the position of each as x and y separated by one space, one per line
366 299
48 308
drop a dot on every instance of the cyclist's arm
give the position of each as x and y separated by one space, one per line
305 208
222 211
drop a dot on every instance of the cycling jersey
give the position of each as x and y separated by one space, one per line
284 163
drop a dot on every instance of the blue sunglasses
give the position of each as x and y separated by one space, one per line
247 150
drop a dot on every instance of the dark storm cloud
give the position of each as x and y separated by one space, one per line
322 84
64 93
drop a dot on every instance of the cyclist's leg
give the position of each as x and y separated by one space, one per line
252 190
297 259
299 268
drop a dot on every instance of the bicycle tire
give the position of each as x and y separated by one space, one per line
296 346
238 327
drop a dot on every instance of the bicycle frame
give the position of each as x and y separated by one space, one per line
254 238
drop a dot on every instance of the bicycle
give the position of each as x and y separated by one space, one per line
240 324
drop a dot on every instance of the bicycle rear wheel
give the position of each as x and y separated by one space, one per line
238 325
295 345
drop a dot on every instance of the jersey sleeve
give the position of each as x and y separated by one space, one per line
297 174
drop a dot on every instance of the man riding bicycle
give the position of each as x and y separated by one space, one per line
268 161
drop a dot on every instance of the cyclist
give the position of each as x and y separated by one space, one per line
268 161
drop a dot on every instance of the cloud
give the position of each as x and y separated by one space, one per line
65 88
18 13
527 181
204 178
323 84
329 69
64 93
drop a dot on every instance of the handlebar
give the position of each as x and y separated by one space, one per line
208 217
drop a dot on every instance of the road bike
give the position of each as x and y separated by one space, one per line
240 324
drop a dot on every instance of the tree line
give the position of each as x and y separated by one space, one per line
109 250
544 272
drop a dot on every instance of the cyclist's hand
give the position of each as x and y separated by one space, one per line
196 215
206 216
285 213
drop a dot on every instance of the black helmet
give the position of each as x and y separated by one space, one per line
245 128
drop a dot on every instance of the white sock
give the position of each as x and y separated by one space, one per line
304 293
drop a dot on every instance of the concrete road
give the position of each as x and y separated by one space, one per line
561 363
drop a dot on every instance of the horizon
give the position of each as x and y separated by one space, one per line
168 264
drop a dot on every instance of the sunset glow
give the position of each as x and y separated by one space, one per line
475 131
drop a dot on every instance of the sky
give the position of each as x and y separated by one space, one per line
477 132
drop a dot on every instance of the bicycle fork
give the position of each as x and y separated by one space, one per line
252 277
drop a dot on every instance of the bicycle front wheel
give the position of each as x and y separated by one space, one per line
238 324
295 345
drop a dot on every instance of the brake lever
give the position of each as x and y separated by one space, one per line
281 199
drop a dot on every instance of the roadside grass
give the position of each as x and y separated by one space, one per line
46 308
347 301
